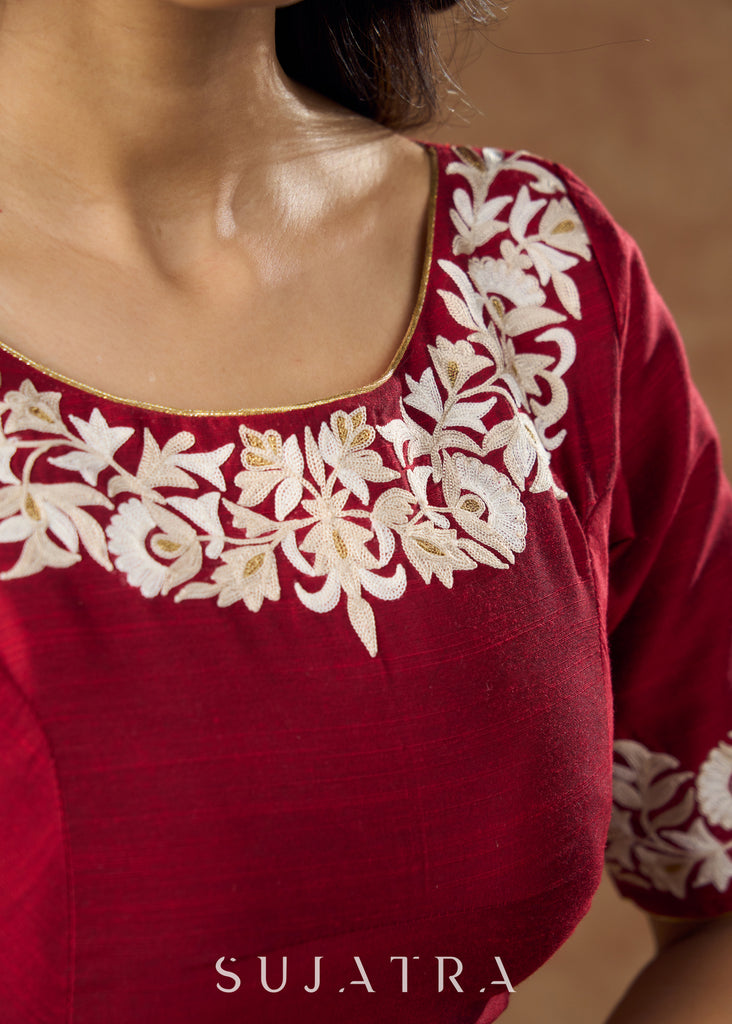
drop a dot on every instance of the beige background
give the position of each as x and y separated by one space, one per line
647 126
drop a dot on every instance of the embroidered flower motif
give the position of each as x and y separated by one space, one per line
248 575
176 543
491 493
432 551
345 447
101 444
714 784
33 410
30 512
127 533
166 466
346 517
658 837
456 361
271 464
475 227
506 277
475 218
340 553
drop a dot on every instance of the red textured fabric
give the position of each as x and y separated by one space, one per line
338 681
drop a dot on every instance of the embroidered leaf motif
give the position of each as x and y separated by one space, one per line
561 227
253 523
204 512
55 509
409 440
39 552
481 554
524 319
677 814
471 309
659 840
432 551
361 617
316 465
568 293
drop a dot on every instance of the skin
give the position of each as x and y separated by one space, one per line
172 204
689 978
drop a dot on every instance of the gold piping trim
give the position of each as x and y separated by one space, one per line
399 355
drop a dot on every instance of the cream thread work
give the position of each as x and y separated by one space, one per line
659 834
312 500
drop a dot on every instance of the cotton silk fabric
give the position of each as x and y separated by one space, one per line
344 680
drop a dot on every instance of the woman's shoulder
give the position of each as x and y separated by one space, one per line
532 267
530 184
535 215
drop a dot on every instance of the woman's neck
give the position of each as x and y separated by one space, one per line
139 120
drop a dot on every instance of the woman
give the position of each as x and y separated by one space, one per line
268 365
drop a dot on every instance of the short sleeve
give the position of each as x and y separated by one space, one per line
667 513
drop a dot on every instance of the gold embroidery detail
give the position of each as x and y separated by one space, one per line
471 505
499 307
563 227
358 418
342 428
470 157
362 437
40 414
255 440
256 460
254 564
339 544
32 508
165 544
431 549
452 371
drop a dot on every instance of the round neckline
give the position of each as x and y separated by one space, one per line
365 389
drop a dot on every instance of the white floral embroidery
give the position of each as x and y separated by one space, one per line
176 543
102 443
714 784
30 512
326 502
30 410
658 838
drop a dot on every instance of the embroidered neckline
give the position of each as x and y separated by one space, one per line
399 355
347 512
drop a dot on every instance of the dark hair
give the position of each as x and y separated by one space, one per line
377 57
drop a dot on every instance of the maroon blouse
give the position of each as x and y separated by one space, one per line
342 681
